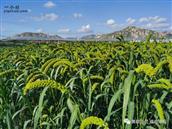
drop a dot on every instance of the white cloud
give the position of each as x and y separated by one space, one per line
49 4
154 22
155 19
161 20
39 30
143 19
130 21
85 29
157 26
110 22
64 30
77 15
48 17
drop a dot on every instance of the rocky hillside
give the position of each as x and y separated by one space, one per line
132 33
35 36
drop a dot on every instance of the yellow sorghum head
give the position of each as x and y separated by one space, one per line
44 83
147 69
97 77
65 62
165 81
160 64
93 120
94 86
164 84
159 86
159 108
169 59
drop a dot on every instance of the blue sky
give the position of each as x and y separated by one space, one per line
75 18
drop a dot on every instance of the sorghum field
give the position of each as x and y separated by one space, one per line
86 86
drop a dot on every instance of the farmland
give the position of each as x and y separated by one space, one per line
86 86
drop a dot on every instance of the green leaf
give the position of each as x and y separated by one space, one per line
126 97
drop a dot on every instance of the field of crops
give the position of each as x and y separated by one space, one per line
86 86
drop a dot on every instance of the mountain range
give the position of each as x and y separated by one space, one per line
34 36
129 33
